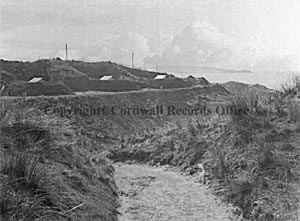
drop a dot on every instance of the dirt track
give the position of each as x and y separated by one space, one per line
149 193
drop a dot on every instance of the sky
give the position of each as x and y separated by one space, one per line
256 35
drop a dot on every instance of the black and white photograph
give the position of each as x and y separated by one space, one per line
150 110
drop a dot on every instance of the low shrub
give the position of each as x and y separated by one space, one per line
293 109
250 171
279 103
291 88
24 189
257 116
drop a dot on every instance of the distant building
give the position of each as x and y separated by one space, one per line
106 78
35 80
160 77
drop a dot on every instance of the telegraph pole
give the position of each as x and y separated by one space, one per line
49 71
132 59
66 52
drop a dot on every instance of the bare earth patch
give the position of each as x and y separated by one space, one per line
149 193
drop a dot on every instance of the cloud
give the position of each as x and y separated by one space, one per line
202 44
91 43
198 44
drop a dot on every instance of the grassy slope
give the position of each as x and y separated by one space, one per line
5 76
254 164
68 160
84 76
25 70
236 87
98 69
127 124
72 69
19 88
50 169
239 167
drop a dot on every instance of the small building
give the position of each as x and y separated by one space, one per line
106 78
160 77
35 80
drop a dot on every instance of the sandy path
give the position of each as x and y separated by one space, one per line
149 193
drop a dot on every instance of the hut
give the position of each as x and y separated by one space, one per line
35 80
160 77
106 78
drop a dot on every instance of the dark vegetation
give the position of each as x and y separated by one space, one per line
236 87
196 81
46 171
256 162
24 71
167 83
46 88
5 76
98 85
